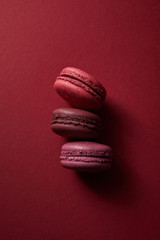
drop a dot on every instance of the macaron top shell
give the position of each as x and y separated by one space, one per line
80 89
85 148
77 115
86 79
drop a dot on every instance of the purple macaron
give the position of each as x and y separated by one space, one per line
86 156
74 123
80 89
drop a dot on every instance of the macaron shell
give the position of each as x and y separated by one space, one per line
86 167
77 96
75 132
77 113
87 147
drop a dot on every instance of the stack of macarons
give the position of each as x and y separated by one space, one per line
80 124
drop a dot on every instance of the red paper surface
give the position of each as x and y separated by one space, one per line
118 43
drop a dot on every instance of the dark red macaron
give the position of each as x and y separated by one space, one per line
74 123
80 89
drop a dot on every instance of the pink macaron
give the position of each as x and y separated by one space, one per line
80 89
74 123
86 156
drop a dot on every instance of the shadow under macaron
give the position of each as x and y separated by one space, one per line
116 183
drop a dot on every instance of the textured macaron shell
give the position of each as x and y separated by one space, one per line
80 89
86 156
75 123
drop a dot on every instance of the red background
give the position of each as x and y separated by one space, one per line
117 41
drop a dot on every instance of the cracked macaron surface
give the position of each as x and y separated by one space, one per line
80 89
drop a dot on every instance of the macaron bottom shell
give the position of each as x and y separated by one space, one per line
86 167
75 132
